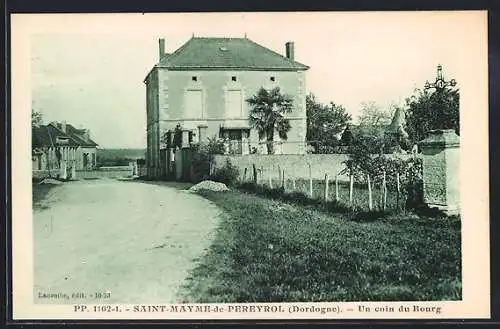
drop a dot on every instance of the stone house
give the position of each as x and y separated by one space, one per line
59 149
203 86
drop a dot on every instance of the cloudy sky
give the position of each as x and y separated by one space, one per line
89 69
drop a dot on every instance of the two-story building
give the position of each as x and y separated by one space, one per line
203 86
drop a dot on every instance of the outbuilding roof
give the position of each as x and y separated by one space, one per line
227 53
51 135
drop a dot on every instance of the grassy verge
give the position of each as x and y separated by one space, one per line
271 251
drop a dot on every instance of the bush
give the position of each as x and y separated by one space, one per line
228 174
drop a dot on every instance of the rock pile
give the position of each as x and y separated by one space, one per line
209 185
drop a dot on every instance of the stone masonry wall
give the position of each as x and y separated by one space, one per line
295 165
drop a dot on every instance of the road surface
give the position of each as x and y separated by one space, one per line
132 241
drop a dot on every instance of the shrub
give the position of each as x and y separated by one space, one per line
228 174
202 158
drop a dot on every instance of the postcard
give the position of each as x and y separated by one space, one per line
284 165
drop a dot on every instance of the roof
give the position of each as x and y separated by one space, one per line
79 136
51 135
398 120
397 125
227 53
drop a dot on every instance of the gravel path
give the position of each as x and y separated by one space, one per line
136 241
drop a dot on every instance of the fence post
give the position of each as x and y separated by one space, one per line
254 174
384 185
351 186
270 179
279 175
370 200
293 184
337 187
283 179
310 181
245 175
398 188
326 187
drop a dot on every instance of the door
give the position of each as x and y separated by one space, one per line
235 141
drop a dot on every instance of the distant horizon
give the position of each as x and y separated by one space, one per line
354 58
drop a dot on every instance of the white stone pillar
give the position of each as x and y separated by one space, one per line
63 174
440 161
185 138
245 148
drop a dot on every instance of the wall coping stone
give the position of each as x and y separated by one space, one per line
444 138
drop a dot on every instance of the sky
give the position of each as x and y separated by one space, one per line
88 69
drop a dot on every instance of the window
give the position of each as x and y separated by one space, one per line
233 104
272 79
194 78
194 104
233 78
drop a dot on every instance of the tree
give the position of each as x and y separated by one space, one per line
324 122
373 123
373 115
267 115
36 118
429 110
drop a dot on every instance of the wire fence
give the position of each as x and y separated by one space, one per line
369 196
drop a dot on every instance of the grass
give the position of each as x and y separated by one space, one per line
360 193
272 251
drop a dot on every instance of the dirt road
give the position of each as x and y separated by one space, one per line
132 240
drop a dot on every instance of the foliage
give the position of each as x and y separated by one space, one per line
202 158
228 174
36 118
271 251
363 162
373 122
267 114
347 138
324 123
373 115
215 145
432 110
118 157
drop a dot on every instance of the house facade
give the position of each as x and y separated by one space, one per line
59 150
203 87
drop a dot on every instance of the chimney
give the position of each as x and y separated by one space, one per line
289 50
86 134
63 126
161 48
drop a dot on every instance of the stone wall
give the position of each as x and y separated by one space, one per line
295 165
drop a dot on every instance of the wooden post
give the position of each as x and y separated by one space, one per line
279 176
370 200
337 187
245 175
310 181
254 174
384 186
351 187
283 178
270 180
327 183
398 190
293 184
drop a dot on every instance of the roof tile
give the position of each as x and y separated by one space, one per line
236 53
